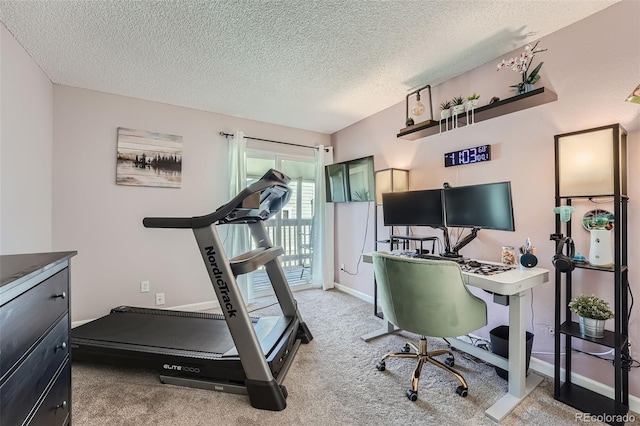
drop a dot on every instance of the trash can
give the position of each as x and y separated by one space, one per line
499 337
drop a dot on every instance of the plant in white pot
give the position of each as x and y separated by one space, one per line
592 313
472 101
457 105
445 110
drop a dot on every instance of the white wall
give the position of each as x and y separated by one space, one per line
25 151
592 66
103 221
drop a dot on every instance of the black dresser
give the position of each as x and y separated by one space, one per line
35 367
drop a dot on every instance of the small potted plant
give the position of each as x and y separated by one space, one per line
445 110
472 101
592 313
457 105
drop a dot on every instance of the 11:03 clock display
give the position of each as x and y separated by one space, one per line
468 156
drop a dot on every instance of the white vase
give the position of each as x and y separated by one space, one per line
444 114
472 104
591 327
601 248
457 109
524 88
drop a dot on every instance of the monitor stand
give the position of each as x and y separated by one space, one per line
452 252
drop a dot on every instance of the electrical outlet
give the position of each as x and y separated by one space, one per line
342 266
159 299
144 286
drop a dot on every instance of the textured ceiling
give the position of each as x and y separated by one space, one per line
316 65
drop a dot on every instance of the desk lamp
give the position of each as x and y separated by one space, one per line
419 107
634 96
390 180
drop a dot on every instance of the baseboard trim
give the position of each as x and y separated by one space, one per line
355 293
195 307
547 369
192 307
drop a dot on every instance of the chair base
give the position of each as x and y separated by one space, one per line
423 356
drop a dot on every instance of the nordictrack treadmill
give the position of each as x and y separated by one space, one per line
232 352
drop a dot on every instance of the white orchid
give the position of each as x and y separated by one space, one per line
521 64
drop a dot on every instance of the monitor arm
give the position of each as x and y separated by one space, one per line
453 251
447 241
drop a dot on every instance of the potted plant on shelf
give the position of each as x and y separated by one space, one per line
592 313
445 110
521 64
457 105
472 101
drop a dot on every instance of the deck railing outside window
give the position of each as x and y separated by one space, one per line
294 237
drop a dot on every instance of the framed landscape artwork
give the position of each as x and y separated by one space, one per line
148 159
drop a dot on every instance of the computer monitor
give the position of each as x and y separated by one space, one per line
413 208
485 206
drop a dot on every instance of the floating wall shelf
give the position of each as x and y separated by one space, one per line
515 103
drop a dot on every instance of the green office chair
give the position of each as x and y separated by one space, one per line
426 297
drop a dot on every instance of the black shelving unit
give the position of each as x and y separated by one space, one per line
612 409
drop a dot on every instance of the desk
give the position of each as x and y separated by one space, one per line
513 284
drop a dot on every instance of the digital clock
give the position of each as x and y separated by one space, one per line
468 156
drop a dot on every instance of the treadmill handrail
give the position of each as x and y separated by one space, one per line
271 179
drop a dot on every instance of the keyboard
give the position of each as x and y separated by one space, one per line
465 264
485 268
432 257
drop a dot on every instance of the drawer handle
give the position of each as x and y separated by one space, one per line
62 345
63 405
63 295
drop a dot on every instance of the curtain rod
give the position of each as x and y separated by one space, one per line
227 135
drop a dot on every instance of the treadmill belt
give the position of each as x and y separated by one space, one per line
161 329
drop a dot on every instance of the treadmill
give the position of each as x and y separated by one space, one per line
232 352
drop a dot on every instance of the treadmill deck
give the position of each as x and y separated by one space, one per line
164 330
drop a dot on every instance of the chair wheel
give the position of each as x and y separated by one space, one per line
462 391
450 361
406 349
413 396
380 366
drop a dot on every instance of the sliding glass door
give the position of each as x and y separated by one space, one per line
291 228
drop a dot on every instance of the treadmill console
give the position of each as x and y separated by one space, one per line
260 200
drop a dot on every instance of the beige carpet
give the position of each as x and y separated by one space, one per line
332 381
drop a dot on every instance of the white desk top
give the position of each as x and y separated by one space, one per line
507 283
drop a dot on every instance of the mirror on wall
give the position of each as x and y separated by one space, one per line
336 183
350 181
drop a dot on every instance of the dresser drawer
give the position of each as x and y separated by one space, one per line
56 407
25 319
24 387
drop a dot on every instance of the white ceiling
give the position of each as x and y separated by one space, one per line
315 65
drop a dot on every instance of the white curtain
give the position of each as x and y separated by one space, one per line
238 240
322 272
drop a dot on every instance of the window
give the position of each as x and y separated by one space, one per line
291 228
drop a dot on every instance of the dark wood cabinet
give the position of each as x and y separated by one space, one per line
35 368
